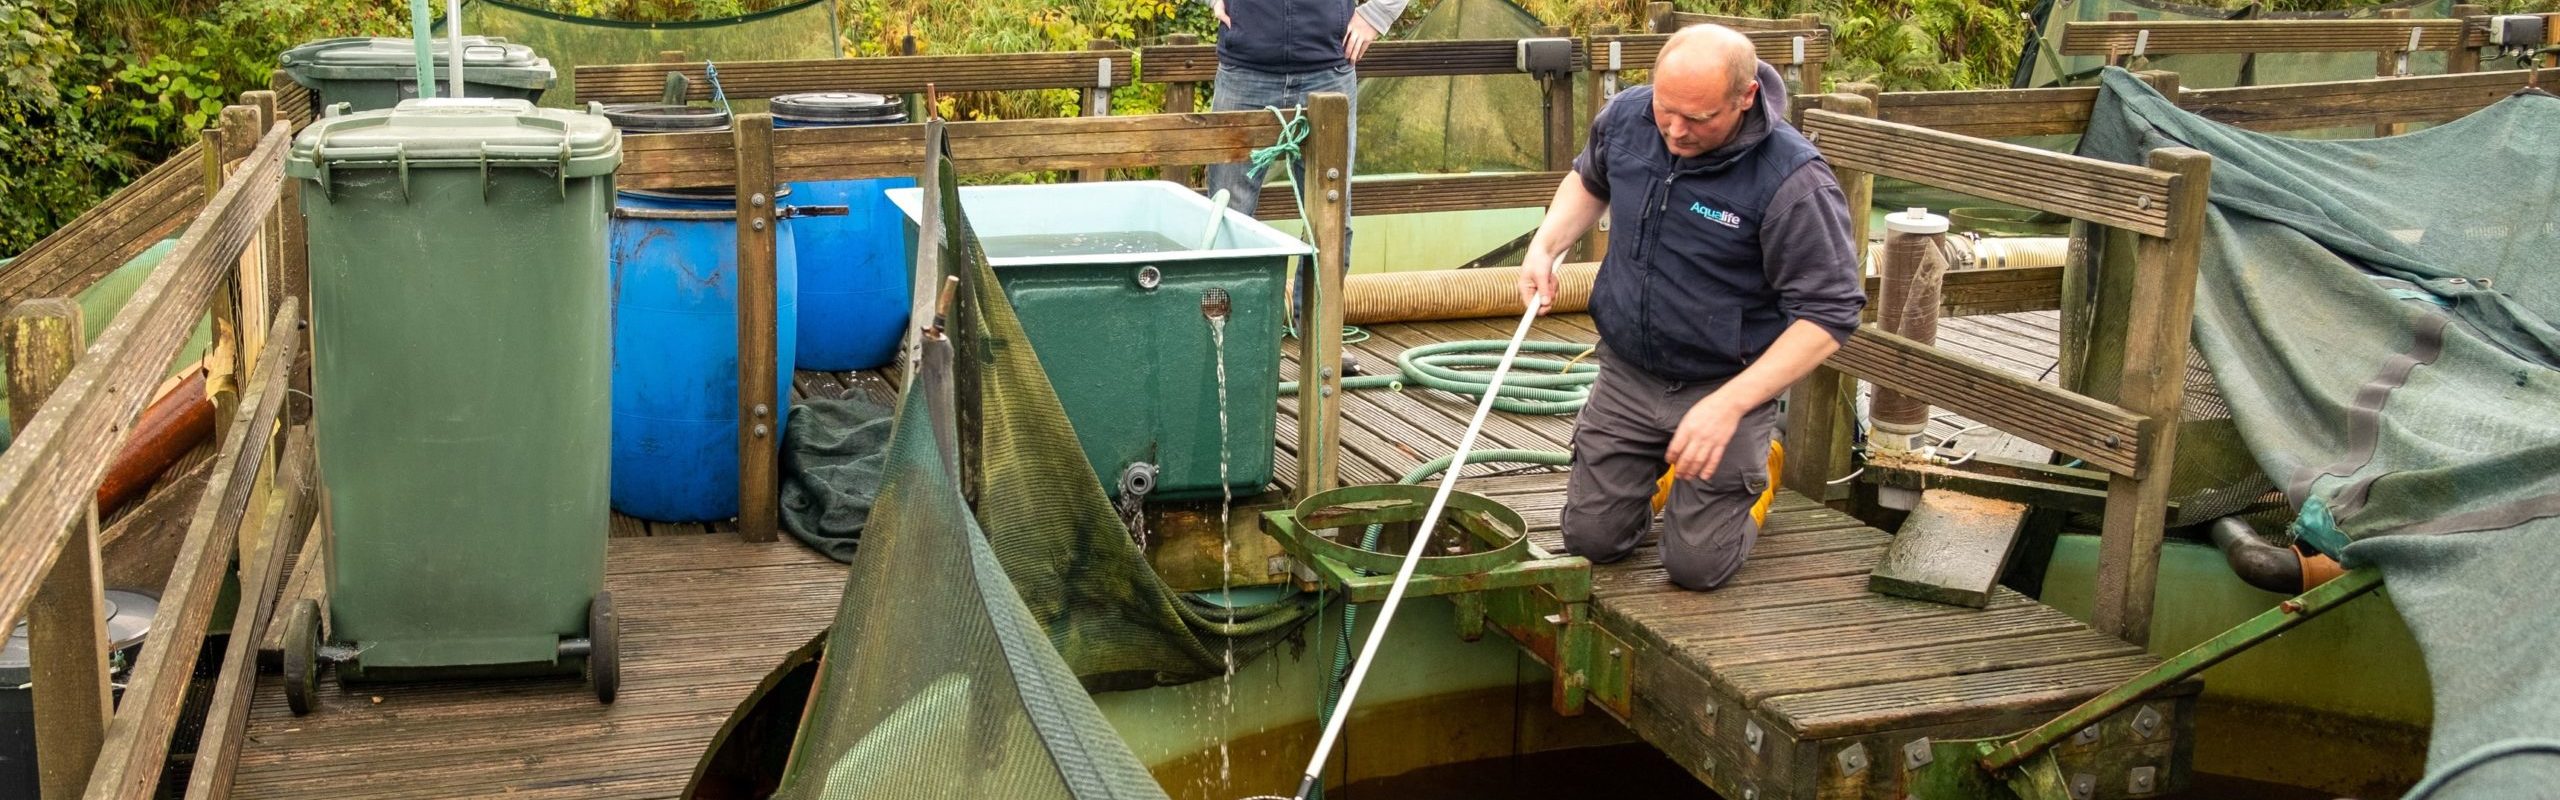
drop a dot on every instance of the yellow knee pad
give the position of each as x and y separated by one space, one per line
1759 510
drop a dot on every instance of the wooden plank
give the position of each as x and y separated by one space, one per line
2153 383
2133 198
1683 19
1182 97
2104 435
137 744
66 623
1556 100
1992 112
1388 58
50 475
707 159
759 501
226 720
1414 195
2168 37
1852 711
1757 682
613 83
110 233
1778 47
2302 106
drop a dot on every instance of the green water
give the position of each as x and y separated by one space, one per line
1098 243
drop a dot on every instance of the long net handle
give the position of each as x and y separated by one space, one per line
1413 552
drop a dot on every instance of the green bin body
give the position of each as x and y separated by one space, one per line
1125 336
461 379
374 73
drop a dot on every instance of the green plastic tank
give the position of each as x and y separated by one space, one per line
461 385
1117 285
374 73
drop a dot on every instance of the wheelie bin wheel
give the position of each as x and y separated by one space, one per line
604 656
302 657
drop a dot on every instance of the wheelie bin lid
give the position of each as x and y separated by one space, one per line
666 118
840 108
485 59
474 132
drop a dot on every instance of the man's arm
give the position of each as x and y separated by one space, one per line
1809 260
1570 215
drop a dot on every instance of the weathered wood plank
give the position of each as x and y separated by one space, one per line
1320 339
66 623
111 232
759 503
1850 711
2302 106
1778 47
2133 198
1992 112
2152 383
613 83
2104 435
50 475
1428 193
226 720
2166 37
1171 63
683 160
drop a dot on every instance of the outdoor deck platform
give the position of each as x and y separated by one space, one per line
704 618
1793 680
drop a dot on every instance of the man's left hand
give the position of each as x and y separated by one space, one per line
1699 445
1356 39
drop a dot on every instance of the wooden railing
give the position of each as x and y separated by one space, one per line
73 404
2163 204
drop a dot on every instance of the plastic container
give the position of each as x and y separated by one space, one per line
675 336
1116 294
460 381
371 73
854 286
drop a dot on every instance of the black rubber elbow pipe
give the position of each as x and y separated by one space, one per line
2263 565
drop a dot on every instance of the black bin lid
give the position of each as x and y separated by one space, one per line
664 118
841 108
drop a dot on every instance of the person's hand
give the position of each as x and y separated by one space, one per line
1699 445
1219 7
1356 38
1538 281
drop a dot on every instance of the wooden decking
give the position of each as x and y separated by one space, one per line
1762 687
704 618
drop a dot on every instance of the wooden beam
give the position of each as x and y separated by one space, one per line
1820 420
1557 107
49 476
1638 51
1976 292
1180 97
2303 106
1320 336
2174 37
2466 58
110 233
226 721
2104 435
1389 58
1470 192
696 160
1096 99
1992 113
2124 196
1661 17
138 740
1606 69
66 625
2159 310
1683 19
744 80
759 501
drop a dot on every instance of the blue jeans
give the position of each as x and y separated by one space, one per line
1246 89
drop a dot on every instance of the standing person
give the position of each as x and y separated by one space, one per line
1273 53
1731 277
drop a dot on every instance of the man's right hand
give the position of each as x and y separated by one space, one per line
1538 281
1219 7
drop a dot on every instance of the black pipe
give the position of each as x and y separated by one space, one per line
2261 564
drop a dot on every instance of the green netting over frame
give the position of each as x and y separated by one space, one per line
2379 315
2043 65
1464 123
801 30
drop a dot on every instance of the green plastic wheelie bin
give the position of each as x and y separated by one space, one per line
375 73
461 386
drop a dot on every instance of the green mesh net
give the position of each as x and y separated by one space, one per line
2044 65
2380 315
800 30
1463 123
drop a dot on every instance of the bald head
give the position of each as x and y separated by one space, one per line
1703 85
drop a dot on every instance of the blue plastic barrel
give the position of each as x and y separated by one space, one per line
675 354
854 285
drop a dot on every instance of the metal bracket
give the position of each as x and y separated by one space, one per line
1751 735
1916 754
1852 759
2147 722
2142 780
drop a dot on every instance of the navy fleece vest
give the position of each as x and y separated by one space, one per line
1683 293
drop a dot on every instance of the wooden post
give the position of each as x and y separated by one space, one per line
759 505
2550 39
1604 86
2159 310
2116 59
1097 101
1559 110
2464 58
66 626
1658 18
1182 97
1818 423
1320 339
2391 64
